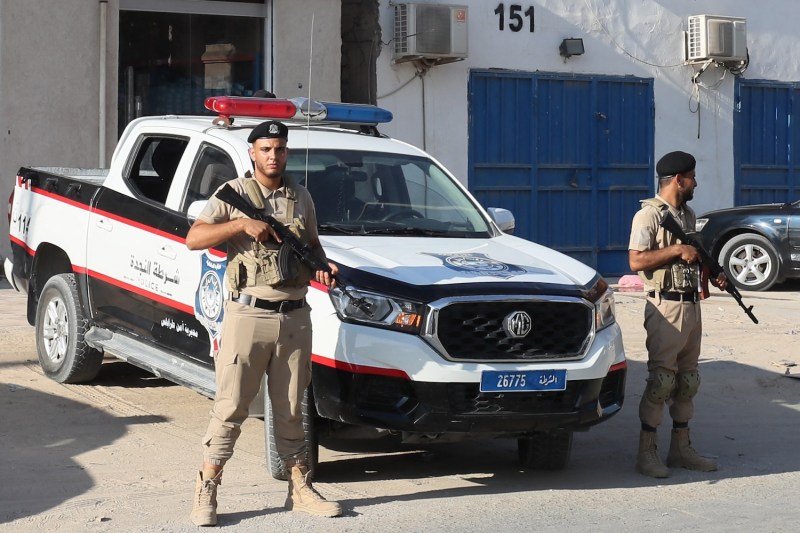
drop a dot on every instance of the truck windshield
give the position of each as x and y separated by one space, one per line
368 193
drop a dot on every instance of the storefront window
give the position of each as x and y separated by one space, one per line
169 62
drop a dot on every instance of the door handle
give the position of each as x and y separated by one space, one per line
104 224
168 252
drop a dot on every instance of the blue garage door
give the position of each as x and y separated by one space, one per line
570 155
767 142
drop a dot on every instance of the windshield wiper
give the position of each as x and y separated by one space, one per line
340 228
406 231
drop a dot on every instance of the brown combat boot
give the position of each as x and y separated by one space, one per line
303 497
204 505
647 461
682 455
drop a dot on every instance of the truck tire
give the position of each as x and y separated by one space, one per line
545 451
275 465
60 328
750 261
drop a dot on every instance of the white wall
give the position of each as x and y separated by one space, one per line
621 37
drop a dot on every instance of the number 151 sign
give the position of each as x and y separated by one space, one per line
517 19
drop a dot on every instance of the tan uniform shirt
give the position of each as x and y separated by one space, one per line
275 204
647 234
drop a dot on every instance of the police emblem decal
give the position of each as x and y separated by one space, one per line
210 296
479 265
517 324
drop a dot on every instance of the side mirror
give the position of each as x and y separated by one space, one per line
503 218
195 208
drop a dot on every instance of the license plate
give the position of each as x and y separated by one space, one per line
529 380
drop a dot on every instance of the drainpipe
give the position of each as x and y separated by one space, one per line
101 130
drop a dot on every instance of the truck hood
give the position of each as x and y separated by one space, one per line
438 261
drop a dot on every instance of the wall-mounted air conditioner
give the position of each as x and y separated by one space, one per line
715 38
430 31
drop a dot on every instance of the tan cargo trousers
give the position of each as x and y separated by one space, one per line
254 341
674 331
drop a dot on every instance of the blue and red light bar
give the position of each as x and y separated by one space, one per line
296 109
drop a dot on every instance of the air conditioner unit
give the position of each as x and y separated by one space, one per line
430 31
714 38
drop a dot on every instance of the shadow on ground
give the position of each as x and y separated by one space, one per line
42 434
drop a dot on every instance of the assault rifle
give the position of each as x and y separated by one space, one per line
669 223
229 195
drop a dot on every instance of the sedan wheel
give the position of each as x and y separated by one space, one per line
750 262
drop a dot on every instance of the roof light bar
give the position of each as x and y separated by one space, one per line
296 108
356 113
228 106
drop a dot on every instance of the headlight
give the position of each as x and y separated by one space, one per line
377 310
603 298
700 223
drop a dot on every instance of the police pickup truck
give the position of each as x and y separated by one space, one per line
471 332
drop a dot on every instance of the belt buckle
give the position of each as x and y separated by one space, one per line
243 299
688 297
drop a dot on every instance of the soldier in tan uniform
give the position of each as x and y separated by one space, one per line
267 323
671 272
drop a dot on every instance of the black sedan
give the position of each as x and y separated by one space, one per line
757 245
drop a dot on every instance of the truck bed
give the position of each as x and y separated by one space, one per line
95 176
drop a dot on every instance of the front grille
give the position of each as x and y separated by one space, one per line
473 331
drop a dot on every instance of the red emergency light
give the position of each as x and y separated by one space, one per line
228 106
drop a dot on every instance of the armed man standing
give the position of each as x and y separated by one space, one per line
671 272
267 323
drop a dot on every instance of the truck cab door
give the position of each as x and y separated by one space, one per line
130 261
191 326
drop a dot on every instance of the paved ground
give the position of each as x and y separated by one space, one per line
119 455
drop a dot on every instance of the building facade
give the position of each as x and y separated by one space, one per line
555 109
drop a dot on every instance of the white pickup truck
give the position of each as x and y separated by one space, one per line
473 333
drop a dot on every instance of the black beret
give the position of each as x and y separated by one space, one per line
271 129
263 93
675 163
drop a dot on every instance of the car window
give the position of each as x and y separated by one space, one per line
153 166
211 169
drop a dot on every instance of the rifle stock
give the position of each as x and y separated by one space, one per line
669 223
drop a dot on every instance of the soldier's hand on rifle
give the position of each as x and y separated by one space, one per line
721 281
326 278
258 231
689 253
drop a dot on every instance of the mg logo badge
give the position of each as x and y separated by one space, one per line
518 324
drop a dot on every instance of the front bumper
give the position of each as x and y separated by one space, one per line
399 404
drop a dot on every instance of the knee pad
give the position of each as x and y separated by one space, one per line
660 384
687 385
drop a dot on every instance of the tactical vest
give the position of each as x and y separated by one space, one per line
676 276
274 265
